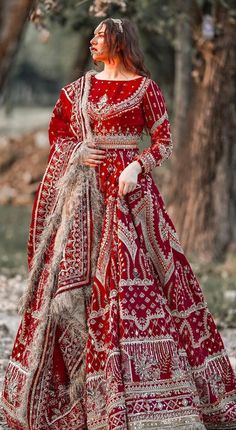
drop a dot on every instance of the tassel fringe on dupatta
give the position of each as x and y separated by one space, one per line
67 307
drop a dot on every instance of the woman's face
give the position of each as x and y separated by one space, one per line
98 47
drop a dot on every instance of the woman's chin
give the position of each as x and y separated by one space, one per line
98 57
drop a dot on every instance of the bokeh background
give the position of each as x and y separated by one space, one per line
190 50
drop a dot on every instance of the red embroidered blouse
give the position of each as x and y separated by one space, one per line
119 112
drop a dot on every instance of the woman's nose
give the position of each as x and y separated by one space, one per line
93 41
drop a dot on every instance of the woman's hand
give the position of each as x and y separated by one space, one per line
91 156
128 178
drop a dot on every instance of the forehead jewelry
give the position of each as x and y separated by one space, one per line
119 22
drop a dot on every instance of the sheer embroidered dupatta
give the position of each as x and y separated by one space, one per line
61 257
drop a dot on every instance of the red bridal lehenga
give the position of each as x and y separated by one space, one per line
115 332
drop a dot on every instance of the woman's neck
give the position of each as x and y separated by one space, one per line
115 70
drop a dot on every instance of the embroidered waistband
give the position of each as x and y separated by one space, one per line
117 145
117 141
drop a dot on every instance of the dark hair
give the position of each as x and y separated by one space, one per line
125 44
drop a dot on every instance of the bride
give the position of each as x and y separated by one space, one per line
115 332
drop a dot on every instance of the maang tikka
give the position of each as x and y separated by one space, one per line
119 22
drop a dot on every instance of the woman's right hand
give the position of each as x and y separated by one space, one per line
92 156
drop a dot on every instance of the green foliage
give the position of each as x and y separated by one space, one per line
153 16
56 59
214 292
156 17
48 66
218 282
13 243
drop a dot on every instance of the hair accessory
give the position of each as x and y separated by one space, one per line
119 22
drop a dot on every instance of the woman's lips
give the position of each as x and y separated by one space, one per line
96 51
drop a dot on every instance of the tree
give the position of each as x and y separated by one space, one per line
204 189
183 68
13 18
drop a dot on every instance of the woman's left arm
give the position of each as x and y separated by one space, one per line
157 123
158 126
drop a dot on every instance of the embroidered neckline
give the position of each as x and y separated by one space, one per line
119 80
109 110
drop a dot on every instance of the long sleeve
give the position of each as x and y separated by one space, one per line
61 127
158 126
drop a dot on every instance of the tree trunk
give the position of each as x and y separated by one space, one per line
204 208
13 18
183 66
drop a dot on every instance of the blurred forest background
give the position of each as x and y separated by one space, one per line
190 49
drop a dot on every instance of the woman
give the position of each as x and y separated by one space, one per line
115 332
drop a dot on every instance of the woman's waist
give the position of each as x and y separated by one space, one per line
117 141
